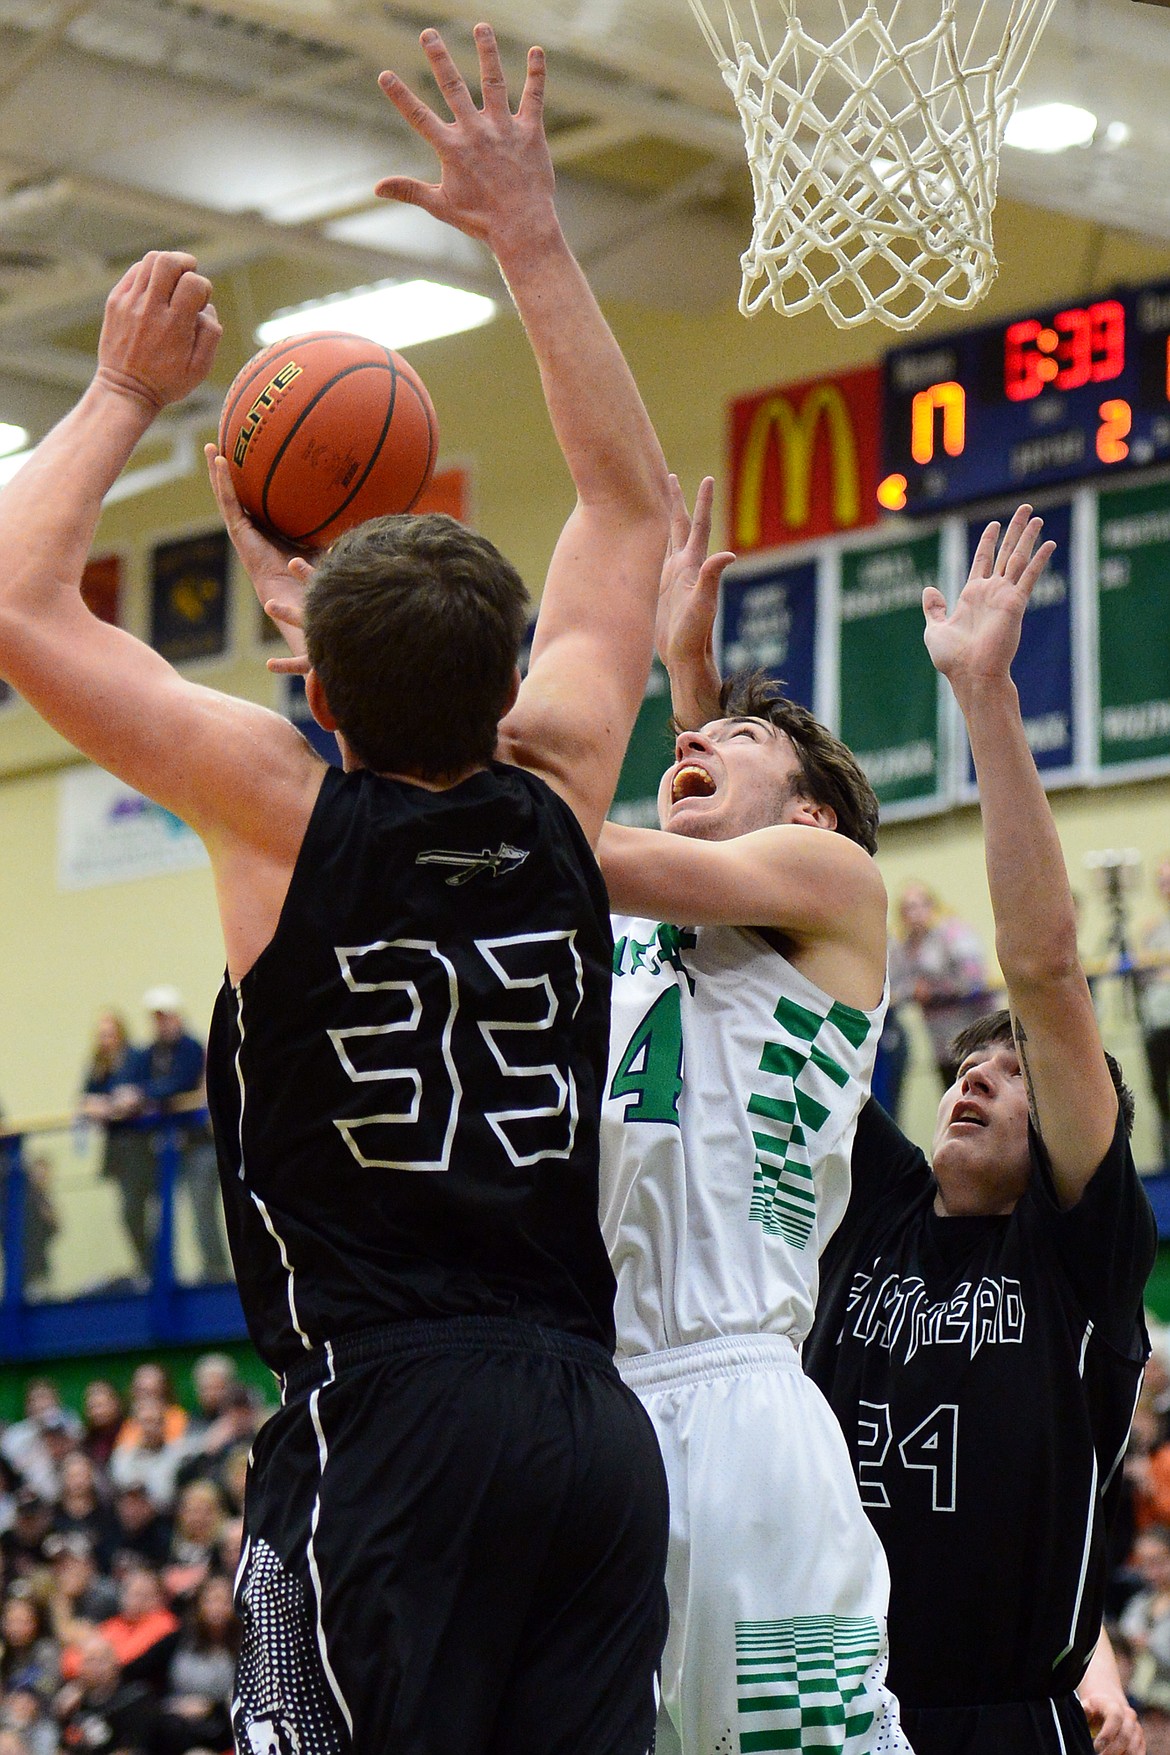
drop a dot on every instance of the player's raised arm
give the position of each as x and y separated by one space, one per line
230 768
1073 1101
595 632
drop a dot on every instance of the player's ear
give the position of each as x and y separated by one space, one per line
318 705
815 816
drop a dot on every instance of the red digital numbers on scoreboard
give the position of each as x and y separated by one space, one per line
1081 346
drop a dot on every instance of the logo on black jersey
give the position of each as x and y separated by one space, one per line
468 865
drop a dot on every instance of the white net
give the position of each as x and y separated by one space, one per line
874 162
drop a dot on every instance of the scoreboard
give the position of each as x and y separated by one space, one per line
1052 396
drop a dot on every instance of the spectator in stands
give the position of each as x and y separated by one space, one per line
113 1099
215 1378
197 1708
199 1517
144 1632
235 1427
80 1595
24 1445
27 1727
151 1382
153 1460
169 1070
938 963
80 1509
42 1223
1146 1620
104 1415
1154 1003
231 1546
29 1658
23 1545
233 1477
142 1531
103 1712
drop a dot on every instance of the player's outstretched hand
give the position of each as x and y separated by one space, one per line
977 641
497 174
278 577
160 330
688 599
1113 1723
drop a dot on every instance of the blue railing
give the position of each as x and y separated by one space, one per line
123 1313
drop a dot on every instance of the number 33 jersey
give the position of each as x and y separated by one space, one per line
733 1092
405 1086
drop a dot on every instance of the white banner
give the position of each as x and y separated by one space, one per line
107 833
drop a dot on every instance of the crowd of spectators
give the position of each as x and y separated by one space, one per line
120 1533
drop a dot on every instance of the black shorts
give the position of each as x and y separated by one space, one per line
455 1545
1014 1727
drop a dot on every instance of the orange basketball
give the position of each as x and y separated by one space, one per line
323 431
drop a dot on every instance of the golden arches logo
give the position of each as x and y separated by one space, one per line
795 433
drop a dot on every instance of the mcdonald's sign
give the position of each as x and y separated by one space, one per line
804 460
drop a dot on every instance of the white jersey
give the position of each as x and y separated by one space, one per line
732 1097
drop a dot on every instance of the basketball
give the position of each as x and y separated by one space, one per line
325 430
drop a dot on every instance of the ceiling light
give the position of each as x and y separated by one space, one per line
1050 128
11 438
1117 134
398 314
10 464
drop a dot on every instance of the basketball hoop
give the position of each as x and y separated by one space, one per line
874 163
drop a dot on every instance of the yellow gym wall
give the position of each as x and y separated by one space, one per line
64 955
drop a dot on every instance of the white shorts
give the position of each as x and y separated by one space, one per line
778 1585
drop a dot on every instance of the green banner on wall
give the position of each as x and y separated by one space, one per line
889 688
650 753
1133 575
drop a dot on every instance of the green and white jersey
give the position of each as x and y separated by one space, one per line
733 1092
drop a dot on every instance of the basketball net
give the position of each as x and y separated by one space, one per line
874 163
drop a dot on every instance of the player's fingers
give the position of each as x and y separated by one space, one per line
167 271
680 518
447 76
191 292
492 83
1031 573
288 614
701 522
983 557
711 572
131 275
289 666
223 488
428 196
301 569
532 97
1011 536
1022 555
934 604
411 108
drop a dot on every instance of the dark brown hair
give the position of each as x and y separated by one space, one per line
996 1027
829 772
413 625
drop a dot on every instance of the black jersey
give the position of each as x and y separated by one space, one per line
405 1087
984 1371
